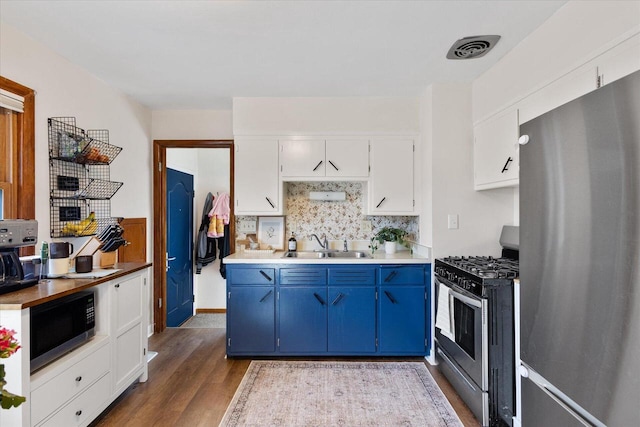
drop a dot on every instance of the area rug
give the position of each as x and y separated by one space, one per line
207 320
301 393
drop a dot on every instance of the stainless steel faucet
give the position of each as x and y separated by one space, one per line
345 246
324 244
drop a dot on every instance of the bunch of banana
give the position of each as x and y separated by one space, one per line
86 227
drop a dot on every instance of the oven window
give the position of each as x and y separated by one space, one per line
464 319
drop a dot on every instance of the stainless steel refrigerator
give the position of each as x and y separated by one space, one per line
580 261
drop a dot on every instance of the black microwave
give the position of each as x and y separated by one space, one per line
61 325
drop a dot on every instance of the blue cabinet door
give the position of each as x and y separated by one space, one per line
352 319
303 319
251 319
402 320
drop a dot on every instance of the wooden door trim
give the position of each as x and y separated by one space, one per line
160 215
26 180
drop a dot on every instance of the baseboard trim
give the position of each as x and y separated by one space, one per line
210 310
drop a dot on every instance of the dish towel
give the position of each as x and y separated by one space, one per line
444 314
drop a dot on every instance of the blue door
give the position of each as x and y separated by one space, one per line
179 247
303 319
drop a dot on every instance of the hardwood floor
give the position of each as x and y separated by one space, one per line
191 383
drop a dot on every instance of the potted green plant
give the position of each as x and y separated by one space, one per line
391 236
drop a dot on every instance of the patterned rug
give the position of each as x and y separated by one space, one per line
293 393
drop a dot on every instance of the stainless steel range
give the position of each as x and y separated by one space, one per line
475 329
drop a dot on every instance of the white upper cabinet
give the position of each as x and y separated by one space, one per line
620 61
495 152
391 184
347 158
257 185
302 158
342 158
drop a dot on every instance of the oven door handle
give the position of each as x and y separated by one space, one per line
465 299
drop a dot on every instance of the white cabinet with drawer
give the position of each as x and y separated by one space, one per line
84 408
66 385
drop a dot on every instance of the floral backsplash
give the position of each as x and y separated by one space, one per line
338 220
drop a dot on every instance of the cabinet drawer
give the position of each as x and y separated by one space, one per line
352 276
82 409
61 388
303 276
401 275
252 276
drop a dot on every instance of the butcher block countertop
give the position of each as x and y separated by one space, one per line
50 289
400 257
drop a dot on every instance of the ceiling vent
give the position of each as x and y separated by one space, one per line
472 47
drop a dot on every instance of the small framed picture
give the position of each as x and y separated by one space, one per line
271 232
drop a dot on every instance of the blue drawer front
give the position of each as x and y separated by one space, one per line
352 276
303 276
252 276
401 275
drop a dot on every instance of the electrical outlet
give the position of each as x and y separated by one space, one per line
366 226
453 221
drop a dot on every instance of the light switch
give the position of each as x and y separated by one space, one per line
453 221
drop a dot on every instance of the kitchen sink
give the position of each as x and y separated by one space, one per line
326 254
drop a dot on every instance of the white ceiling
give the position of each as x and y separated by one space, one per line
201 54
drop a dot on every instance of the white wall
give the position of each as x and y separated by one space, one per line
481 213
576 33
285 116
192 124
64 89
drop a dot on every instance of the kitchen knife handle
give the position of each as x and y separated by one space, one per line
317 166
334 166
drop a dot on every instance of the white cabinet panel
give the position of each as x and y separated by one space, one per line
391 180
257 185
308 159
495 152
347 158
302 158
620 61
561 91
129 329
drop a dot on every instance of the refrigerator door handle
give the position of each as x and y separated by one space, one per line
561 399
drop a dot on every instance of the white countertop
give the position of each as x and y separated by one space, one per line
401 257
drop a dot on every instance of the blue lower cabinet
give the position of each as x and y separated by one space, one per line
312 310
352 320
303 319
402 320
251 314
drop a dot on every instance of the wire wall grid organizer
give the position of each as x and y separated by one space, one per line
79 179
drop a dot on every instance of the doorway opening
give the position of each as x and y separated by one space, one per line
160 214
